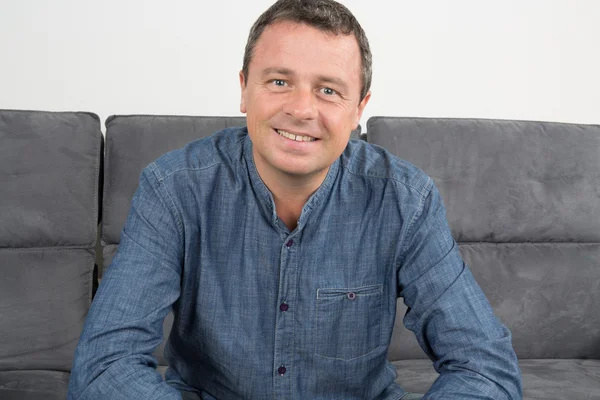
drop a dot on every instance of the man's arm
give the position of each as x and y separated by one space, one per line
124 325
450 315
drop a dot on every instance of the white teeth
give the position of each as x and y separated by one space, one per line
297 138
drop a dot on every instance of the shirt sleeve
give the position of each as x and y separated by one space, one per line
114 357
450 315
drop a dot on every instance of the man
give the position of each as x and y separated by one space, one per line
282 249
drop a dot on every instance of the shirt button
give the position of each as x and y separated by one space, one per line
351 296
281 370
290 243
283 307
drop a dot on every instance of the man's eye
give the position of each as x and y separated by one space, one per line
278 82
328 91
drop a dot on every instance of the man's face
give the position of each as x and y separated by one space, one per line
301 99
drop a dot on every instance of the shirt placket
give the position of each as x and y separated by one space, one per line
284 329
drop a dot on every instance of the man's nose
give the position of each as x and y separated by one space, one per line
301 105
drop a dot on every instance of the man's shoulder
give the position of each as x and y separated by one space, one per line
224 146
368 160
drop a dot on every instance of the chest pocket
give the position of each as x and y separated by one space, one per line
348 321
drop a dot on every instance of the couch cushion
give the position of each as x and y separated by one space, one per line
33 385
44 298
546 379
49 174
547 289
520 197
505 181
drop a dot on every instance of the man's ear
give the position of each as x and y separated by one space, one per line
243 92
361 108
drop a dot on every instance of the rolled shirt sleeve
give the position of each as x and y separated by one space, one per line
450 315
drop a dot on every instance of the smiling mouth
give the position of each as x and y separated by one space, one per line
297 138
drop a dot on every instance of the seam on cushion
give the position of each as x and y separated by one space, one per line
23 111
90 252
167 116
99 157
389 118
49 248
105 184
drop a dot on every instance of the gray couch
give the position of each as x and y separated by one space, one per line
523 201
49 211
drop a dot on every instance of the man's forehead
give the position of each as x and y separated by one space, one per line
287 37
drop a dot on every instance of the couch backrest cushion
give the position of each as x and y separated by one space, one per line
48 194
49 175
523 201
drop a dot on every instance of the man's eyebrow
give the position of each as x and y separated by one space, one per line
321 78
336 81
277 70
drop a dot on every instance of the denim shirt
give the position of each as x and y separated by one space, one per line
265 313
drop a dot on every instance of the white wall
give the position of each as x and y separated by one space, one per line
514 59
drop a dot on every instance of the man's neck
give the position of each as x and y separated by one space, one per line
290 199
290 192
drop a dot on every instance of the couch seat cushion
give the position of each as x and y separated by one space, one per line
30 385
542 379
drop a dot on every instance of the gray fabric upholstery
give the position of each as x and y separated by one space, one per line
547 293
357 134
44 298
34 385
561 379
505 181
538 290
542 379
523 201
49 178
49 174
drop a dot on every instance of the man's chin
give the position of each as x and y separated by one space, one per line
304 172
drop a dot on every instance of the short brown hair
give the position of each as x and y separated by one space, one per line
326 15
